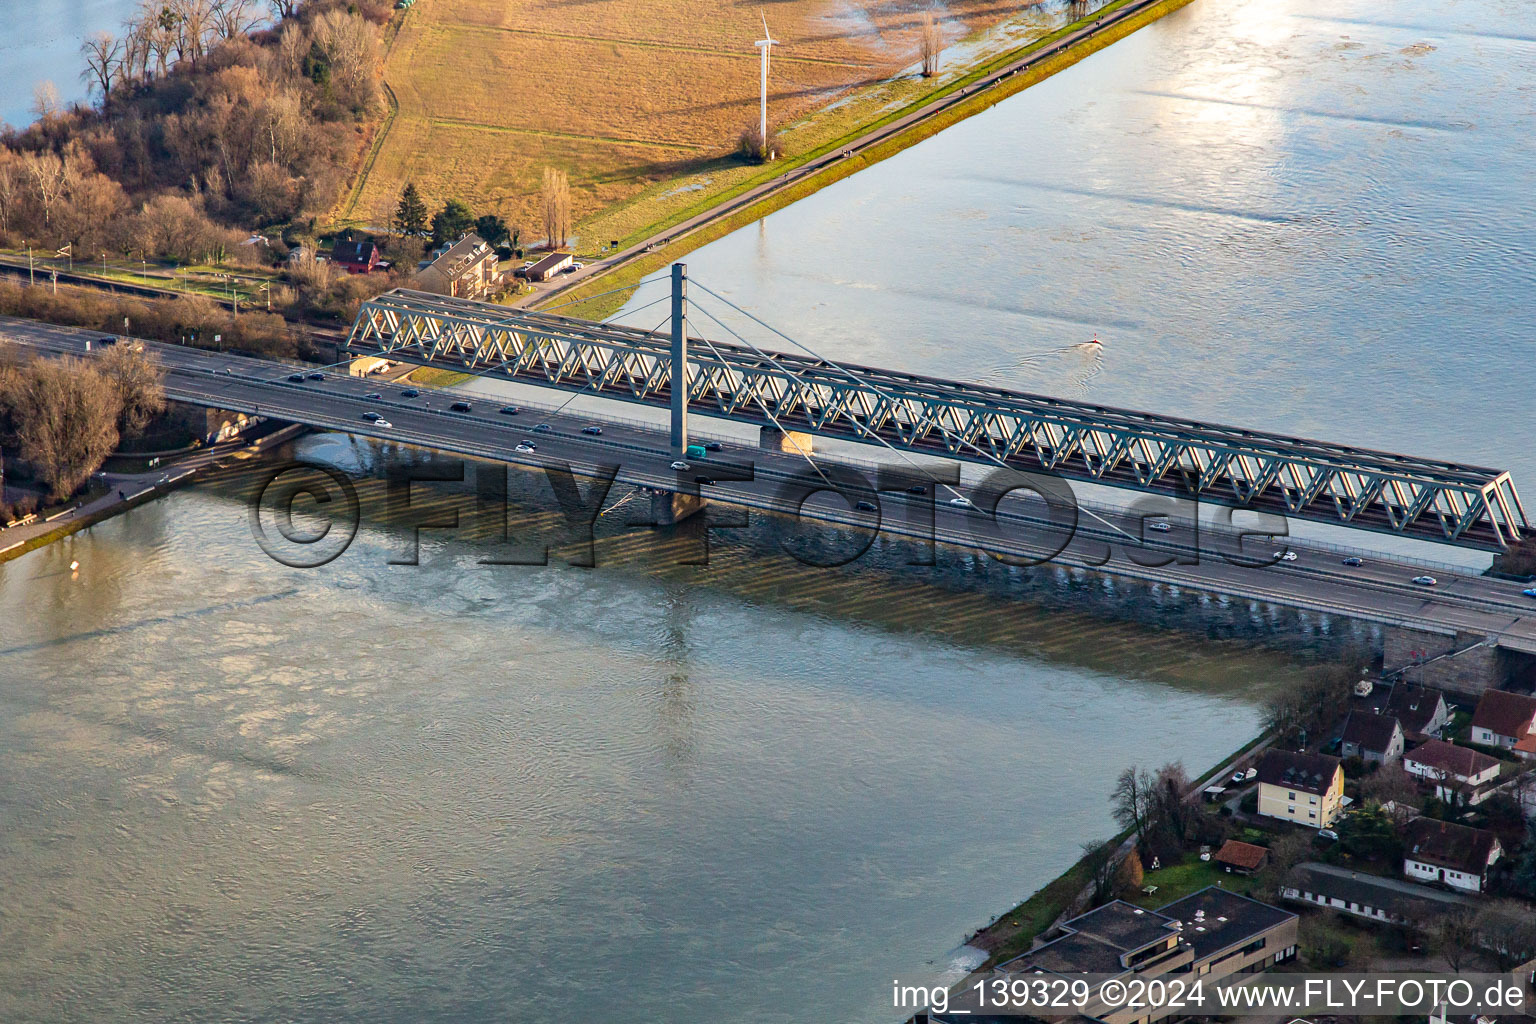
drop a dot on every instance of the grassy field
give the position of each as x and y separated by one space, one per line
640 101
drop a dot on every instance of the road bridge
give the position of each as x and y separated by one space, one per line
1428 499
1420 622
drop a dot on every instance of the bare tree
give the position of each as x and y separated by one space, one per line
11 185
103 53
1389 785
350 46
45 100
233 18
557 207
1131 800
1507 931
1099 858
930 43
1454 935
65 415
139 383
283 8
50 177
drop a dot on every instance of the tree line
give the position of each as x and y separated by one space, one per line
209 115
65 416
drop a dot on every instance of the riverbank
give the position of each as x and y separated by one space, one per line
126 491
982 87
1015 932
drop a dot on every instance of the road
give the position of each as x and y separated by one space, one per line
1316 580
858 146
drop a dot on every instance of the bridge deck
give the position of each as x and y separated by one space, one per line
1470 506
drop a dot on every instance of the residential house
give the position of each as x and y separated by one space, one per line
1241 858
1454 855
356 257
1211 934
1383 900
465 270
1420 710
1507 720
1375 738
1305 788
549 266
1459 774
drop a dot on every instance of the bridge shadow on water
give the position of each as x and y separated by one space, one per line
1105 623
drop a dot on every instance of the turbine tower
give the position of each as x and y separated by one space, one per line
764 44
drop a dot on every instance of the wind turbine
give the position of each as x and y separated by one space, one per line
764 44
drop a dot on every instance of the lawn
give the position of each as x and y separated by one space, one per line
641 101
1191 875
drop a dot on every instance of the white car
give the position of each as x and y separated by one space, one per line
383 424
961 502
1286 556
1160 526
1424 581
524 448
680 465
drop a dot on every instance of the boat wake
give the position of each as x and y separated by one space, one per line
1075 366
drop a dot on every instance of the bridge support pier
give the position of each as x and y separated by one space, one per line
792 441
1462 663
1519 559
669 507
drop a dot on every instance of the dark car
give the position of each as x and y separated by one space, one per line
917 489
410 393
866 506
297 378
543 428
703 479
317 376
1353 561
108 340
459 407
372 417
509 410
373 396
713 446
592 430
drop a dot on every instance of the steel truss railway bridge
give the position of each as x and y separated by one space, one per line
1427 499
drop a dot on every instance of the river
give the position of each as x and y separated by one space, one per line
44 45
1274 214
450 792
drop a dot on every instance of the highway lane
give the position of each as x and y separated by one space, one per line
1380 590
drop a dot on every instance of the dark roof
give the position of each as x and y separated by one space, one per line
1414 706
554 259
1071 954
1215 919
1095 942
1309 773
1123 925
1505 713
1451 759
1241 855
353 252
1370 732
1449 845
463 255
1404 900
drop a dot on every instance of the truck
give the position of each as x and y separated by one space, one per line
694 451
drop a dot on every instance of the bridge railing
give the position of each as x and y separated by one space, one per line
872 465
1303 479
